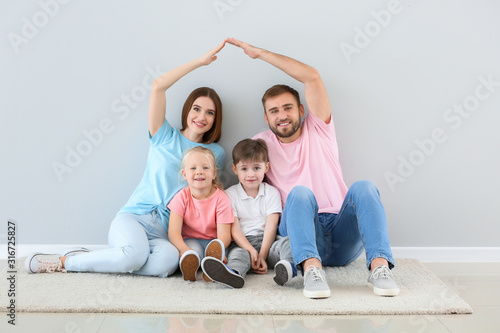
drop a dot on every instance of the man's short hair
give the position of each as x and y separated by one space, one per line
277 90
250 150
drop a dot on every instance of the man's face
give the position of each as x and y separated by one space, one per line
283 116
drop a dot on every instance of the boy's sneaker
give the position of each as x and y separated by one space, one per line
189 264
75 251
315 285
381 280
43 263
284 272
214 249
218 272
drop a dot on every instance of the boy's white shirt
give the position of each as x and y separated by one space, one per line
252 213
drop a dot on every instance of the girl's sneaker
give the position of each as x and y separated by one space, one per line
43 263
218 272
216 250
189 264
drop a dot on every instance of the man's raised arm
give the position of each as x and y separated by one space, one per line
315 92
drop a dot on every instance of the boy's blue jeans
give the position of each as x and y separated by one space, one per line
337 239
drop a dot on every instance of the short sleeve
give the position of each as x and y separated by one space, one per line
164 134
178 203
232 194
273 200
224 212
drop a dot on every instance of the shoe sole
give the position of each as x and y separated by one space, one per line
317 293
214 249
384 292
189 267
218 272
281 275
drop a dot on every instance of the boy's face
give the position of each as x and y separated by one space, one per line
250 173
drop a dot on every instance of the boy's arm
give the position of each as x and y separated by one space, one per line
175 233
242 241
269 234
315 92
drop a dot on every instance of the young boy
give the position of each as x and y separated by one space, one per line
257 208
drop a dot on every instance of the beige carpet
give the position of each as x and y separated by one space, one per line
421 293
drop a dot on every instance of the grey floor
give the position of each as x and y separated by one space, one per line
476 283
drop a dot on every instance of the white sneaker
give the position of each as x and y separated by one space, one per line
315 285
189 264
43 263
75 251
218 272
214 249
283 272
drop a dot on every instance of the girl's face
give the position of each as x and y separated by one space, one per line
200 118
198 171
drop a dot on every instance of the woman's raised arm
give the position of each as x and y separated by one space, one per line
157 102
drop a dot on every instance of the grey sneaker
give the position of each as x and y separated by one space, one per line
75 251
189 264
283 272
381 280
218 272
315 285
43 263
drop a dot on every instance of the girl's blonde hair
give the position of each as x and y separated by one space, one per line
211 159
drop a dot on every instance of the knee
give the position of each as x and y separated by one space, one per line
133 259
364 187
302 194
169 262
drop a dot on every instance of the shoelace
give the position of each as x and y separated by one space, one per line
316 275
50 266
383 271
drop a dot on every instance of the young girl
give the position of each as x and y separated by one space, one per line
200 214
138 240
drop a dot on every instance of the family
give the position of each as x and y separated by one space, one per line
303 217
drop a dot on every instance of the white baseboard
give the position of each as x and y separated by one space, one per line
424 254
448 254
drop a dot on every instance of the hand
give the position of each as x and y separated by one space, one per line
254 255
210 56
261 266
252 51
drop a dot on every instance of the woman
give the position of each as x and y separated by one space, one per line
138 239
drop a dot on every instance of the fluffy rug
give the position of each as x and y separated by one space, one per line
421 293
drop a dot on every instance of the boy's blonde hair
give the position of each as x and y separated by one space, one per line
211 159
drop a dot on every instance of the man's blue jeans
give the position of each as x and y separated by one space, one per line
337 239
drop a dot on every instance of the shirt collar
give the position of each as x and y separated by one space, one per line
243 195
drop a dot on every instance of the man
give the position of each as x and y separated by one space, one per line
327 223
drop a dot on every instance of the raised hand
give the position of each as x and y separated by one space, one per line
211 56
252 51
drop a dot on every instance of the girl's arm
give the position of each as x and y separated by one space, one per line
175 233
224 233
157 101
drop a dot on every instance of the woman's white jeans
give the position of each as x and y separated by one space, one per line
138 244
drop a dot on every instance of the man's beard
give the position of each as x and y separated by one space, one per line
295 128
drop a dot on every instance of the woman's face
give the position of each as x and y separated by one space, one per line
200 118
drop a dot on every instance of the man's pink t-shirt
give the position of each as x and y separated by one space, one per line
312 161
200 217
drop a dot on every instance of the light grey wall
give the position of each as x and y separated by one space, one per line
400 74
